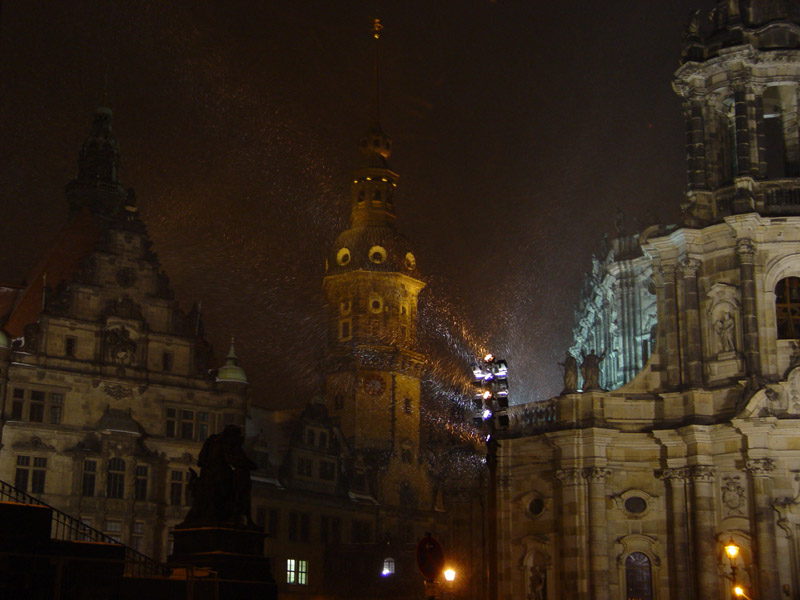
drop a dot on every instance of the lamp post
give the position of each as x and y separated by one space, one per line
732 551
449 577
490 400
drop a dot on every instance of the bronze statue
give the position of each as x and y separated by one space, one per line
221 493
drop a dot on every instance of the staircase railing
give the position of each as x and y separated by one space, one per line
68 528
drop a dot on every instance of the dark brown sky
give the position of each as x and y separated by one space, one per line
519 127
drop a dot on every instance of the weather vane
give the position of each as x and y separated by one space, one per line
376 28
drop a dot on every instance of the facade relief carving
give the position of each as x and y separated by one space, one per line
703 473
733 494
760 467
119 346
117 392
569 476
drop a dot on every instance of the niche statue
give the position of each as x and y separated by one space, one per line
221 493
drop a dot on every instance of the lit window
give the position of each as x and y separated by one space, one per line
388 567
297 571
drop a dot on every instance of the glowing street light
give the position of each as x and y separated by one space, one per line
449 574
732 550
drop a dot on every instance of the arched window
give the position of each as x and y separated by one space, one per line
638 577
115 483
388 567
787 308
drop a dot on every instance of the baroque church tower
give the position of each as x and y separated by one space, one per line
373 371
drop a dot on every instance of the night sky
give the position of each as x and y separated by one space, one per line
519 128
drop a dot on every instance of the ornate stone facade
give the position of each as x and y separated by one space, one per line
702 445
616 312
107 393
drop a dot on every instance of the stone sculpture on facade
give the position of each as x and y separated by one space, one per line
590 370
570 374
724 328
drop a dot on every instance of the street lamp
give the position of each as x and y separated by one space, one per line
490 403
732 550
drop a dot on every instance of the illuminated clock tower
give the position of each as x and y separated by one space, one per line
371 285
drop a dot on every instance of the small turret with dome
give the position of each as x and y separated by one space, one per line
231 372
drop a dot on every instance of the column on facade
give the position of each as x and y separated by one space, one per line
680 557
760 470
703 529
746 252
695 144
760 166
694 351
598 540
670 325
572 578
742 125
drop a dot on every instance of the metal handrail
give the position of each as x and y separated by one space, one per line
68 528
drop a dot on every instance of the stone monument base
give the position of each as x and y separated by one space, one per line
232 553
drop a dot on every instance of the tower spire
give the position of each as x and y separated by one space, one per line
377 26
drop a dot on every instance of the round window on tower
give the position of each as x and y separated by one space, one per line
377 254
343 256
375 304
411 262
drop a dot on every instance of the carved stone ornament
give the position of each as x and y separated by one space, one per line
33 444
760 466
120 348
703 473
117 392
745 249
596 474
690 266
680 474
569 476
733 493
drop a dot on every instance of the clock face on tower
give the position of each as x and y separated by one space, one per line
374 385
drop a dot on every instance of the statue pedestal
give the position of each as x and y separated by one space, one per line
235 553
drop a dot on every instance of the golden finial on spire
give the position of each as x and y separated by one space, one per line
376 28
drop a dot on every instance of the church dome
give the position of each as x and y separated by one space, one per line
231 372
